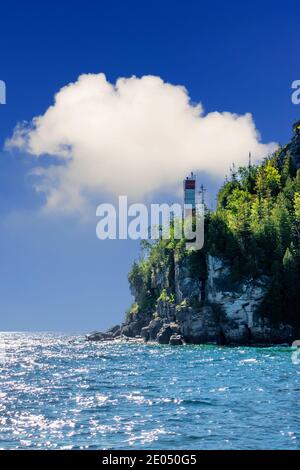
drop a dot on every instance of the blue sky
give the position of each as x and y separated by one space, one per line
232 56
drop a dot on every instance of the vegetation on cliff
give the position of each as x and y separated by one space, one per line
255 228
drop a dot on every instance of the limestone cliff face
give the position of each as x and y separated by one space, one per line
187 286
240 321
210 310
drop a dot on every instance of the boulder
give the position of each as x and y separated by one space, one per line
114 331
99 336
154 327
200 326
166 332
132 328
176 340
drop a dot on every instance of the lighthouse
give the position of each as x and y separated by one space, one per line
189 188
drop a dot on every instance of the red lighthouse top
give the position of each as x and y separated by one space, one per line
190 182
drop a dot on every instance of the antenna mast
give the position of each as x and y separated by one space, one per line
202 192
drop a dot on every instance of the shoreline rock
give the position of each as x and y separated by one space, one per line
109 335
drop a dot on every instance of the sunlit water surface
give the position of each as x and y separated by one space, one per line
60 392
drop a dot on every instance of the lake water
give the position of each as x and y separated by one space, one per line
60 392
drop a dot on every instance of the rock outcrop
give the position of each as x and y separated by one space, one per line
166 332
176 340
238 295
108 335
212 310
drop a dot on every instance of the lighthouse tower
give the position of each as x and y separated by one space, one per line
189 188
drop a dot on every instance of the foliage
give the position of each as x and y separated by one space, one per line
132 311
165 297
256 228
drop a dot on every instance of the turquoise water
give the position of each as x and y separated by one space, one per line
60 392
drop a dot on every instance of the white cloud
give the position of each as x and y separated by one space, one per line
133 138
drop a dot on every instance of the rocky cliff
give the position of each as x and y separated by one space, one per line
242 288
220 312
